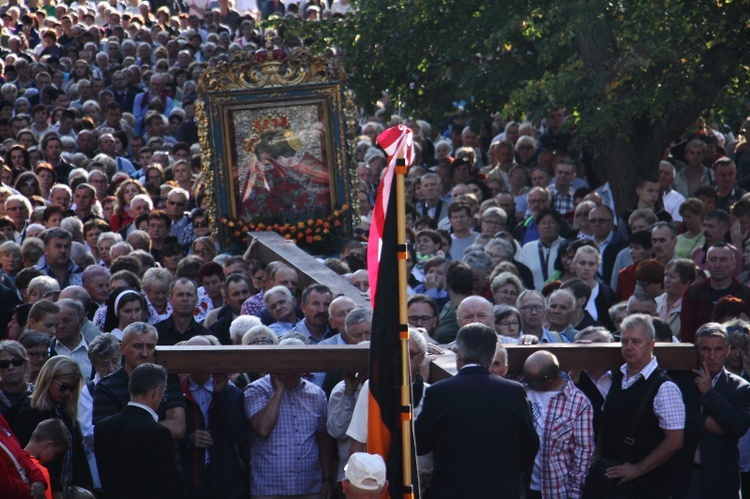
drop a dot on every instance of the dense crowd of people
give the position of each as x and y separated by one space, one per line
107 250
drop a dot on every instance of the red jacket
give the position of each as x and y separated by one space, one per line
626 282
698 306
11 484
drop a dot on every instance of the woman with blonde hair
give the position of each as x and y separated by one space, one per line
505 288
11 260
39 287
183 175
586 263
205 248
155 284
56 393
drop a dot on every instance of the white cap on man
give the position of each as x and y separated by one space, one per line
365 471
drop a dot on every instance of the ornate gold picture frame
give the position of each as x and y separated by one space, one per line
277 132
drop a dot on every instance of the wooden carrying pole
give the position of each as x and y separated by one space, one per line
406 397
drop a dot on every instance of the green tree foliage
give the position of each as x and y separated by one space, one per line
634 74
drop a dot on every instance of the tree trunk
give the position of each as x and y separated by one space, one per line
622 161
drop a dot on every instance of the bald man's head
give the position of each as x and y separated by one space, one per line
540 369
475 309
198 341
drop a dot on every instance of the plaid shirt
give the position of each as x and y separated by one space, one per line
567 444
562 203
286 461
253 305
668 405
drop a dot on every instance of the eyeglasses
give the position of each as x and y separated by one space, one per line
420 319
38 355
508 324
64 387
413 354
261 341
5 364
200 225
175 203
30 183
532 308
490 221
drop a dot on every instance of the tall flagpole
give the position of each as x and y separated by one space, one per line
406 408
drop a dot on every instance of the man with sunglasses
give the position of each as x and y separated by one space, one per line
554 398
182 227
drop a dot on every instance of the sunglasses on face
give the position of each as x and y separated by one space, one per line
5 364
64 387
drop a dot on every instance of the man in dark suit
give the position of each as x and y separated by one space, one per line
602 222
478 426
124 95
717 405
134 451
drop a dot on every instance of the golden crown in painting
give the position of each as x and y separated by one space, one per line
269 123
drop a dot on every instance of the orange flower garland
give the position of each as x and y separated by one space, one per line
318 236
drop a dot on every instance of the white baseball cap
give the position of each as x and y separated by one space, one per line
365 471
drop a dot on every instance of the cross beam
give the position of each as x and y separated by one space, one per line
313 358
271 247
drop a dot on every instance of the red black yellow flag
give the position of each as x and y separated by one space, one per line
389 411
